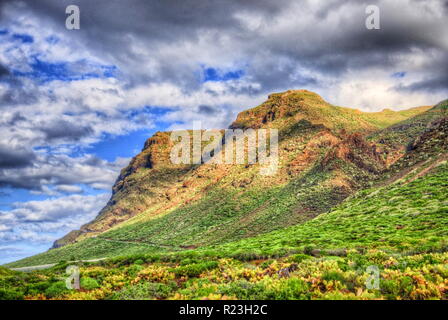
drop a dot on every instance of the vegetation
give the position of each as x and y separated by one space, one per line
419 276
354 191
401 229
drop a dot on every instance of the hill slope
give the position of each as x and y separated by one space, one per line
314 135
400 230
324 158
311 131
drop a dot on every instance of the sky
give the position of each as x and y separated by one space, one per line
77 105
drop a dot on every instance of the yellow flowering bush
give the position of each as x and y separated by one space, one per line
154 273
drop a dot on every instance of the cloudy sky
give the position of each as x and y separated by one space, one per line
76 105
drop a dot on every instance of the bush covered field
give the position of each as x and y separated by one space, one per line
402 229
298 276
340 221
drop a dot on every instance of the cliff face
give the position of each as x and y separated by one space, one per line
146 181
155 155
326 153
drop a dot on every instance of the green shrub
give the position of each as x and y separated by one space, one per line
399 287
143 291
287 289
194 270
333 275
246 256
187 261
298 258
10 294
243 290
153 258
56 289
35 288
307 250
266 264
134 269
89 283
290 289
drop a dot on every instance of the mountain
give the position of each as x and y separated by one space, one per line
327 154
314 135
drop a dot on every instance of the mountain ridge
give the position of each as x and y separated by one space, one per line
282 110
152 162
397 226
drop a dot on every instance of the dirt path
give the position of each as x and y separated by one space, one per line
424 171
46 266
152 244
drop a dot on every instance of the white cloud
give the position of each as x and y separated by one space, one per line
69 188
62 170
41 220
374 90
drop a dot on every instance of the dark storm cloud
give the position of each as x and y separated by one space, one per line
15 158
33 183
437 81
16 117
3 71
159 18
57 170
434 84
111 27
208 110
333 49
65 130
17 92
326 45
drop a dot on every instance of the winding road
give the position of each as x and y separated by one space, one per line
46 266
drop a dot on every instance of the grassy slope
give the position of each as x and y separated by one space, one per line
387 117
402 133
243 204
401 229
149 188
398 217
408 208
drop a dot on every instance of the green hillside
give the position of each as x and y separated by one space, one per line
402 217
212 205
393 140
353 191
323 157
401 229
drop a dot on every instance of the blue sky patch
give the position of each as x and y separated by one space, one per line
124 146
24 38
63 71
52 39
212 74
109 71
399 75
110 147
10 195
